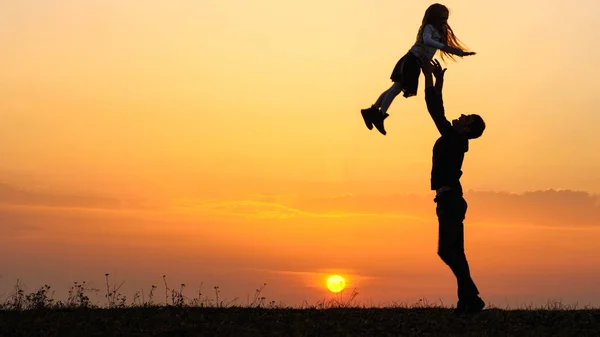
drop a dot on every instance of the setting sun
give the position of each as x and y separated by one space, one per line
336 283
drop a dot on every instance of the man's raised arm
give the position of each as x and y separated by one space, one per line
433 96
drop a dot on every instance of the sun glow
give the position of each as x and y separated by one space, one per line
336 283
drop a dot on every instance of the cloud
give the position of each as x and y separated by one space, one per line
10 195
317 279
272 210
562 208
14 225
558 208
554 208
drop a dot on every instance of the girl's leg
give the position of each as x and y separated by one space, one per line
385 100
382 97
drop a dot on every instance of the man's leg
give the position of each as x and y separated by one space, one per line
451 210
466 287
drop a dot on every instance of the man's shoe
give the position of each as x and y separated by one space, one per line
378 121
367 115
472 306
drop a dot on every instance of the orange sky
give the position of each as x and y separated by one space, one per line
221 142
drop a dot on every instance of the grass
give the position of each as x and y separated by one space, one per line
38 314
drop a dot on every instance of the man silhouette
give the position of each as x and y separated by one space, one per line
451 208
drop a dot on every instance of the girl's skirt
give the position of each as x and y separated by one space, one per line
406 73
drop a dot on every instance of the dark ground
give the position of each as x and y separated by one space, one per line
239 322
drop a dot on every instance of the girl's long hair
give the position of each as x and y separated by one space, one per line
432 17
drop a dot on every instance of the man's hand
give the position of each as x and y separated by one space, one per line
427 68
437 70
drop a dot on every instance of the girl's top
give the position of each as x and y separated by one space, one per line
427 43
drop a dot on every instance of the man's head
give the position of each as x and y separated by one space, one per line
471 126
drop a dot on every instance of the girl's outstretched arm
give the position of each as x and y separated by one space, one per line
456 51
